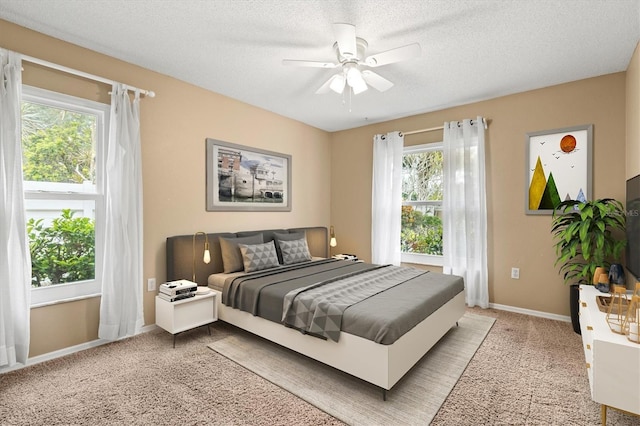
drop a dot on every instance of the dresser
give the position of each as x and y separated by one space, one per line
613 362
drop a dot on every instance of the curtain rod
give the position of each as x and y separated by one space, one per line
72 71
433 129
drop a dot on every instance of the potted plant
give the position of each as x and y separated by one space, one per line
587 235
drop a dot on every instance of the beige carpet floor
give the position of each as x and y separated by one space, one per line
412 401
144 381
528 371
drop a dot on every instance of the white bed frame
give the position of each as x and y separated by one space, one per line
381 365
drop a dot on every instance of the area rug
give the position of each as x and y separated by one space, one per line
415 399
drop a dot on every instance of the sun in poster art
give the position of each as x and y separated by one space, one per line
568 143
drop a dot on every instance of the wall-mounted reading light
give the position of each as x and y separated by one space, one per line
332 241
206 258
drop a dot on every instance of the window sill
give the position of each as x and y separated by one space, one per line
70 299
421 259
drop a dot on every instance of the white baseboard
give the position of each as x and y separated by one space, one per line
67 351
531 312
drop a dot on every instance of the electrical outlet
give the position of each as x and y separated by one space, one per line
151 284
515 273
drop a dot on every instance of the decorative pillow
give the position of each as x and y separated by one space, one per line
257 257
286 237
295 251
231 256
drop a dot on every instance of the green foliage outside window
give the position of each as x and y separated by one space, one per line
63 252
57 144
420 233
422 176
422 180
58 147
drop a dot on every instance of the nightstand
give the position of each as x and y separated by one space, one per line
186 314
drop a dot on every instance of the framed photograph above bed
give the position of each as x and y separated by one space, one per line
558 167
241 178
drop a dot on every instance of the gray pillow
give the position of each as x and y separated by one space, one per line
286 237
231 256
295 251
257 257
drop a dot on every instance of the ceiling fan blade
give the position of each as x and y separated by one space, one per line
313 64
346 38
376 81
394 55
335 83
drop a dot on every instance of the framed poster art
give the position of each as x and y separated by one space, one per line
242 178
558 167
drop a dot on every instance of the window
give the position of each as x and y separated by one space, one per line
62 144
422 188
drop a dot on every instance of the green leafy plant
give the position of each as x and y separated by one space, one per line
420 233
63 252
587 235
57 144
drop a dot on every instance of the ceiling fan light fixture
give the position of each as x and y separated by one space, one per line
359 87
337 83
355 80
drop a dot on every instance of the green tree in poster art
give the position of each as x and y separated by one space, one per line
550 197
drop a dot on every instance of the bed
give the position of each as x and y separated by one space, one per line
379 357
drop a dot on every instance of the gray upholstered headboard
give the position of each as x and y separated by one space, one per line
180 251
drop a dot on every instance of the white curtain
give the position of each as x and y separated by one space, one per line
15 259
121 304
386 198
464 206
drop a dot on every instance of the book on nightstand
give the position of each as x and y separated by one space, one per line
176 297
345 257
177 290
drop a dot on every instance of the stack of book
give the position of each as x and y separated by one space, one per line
345 257
177 290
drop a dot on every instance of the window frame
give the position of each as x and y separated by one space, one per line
419 258
42 296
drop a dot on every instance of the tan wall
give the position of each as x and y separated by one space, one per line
633 115
515 239
63 325
174 126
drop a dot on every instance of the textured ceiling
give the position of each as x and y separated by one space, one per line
471 50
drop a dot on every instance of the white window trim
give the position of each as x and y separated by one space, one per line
426 147
419 258
43 296
422 259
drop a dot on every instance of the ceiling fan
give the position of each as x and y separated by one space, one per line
350 52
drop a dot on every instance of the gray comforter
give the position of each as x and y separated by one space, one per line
382 316
318 309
